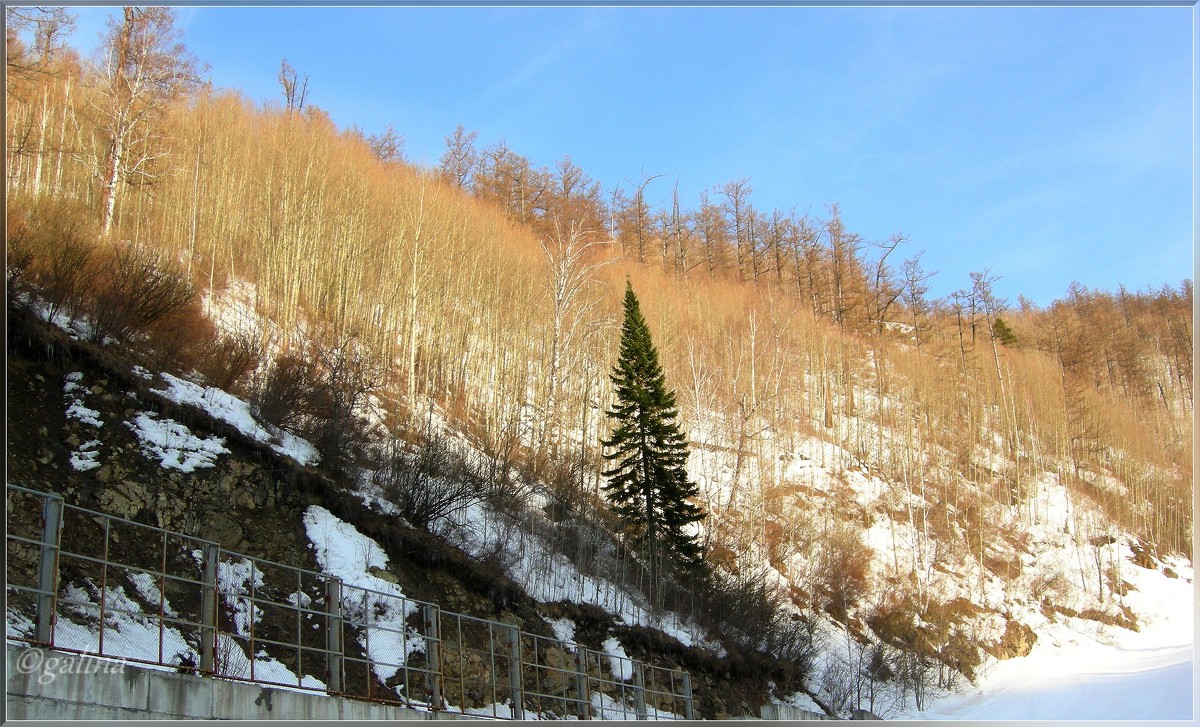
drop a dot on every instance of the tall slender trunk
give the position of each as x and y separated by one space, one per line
111 177
123 101
62 139
41 143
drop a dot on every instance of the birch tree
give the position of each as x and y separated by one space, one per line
142 66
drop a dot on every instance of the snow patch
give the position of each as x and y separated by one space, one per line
174 445
377 605
236 412
73 391
549 577
564 631
84 458
619 662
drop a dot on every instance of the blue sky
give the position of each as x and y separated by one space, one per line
1049 144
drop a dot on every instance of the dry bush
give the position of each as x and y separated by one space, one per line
428 485
497 556
177 341
936 654
563 477
52 243
894 621
843 567
318 393
749 610
137 287
953 640
280 395
228 359
508 483
18 262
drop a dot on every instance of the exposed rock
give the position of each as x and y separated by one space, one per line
1142 556
512 619
125 498
224 531
240 496
1018 640
556 658
110 471
383 575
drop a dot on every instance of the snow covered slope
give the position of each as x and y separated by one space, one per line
949 563
1081 670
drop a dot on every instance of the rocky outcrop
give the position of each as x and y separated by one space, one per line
1018 640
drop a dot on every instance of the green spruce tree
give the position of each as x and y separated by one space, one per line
647 483
1003 332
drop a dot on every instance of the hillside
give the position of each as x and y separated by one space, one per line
61 385
157 450
902 494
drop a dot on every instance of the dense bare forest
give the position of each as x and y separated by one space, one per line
490 288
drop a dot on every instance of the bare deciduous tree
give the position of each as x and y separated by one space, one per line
571 253
295 89
142 66
387 146
460 159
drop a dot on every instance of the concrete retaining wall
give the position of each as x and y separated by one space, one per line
48 684
789 713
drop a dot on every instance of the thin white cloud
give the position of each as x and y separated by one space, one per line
584 32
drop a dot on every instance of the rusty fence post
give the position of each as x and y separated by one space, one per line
516 684
47 597
333 634
433 636
208 609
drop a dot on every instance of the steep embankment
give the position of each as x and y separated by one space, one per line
85 423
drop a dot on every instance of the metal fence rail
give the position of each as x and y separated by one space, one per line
108 586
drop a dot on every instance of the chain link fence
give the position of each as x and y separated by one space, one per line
87 582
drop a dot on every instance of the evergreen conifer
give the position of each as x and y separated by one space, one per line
1003 333
647 485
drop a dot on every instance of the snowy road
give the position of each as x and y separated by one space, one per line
1080 670
1115 684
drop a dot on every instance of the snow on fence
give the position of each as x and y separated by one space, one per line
107 586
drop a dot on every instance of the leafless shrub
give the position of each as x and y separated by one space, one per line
19 258
749 609
177 341
498 555
231 660
335 425
1046 584
137 287
318 393
17 272
280 396
52 243
228 359
837 684
865 675
428 485
506 485
563 478
843 563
